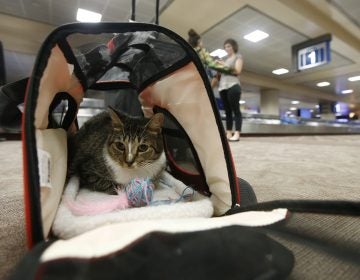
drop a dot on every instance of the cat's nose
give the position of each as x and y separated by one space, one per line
129 164
129 159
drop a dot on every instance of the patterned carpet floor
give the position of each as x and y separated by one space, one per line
296 167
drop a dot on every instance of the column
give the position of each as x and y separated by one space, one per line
269 102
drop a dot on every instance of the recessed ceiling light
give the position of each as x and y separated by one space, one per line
280 71
355 78
346 91
219 53
242 102
87 16
295 102
323 84
256 36
293 108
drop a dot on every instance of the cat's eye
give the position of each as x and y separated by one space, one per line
120 146
143 148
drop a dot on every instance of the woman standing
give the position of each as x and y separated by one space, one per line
230 90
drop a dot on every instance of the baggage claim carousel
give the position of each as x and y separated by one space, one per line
253 124
261 125
265 125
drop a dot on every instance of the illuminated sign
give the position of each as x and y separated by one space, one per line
312 53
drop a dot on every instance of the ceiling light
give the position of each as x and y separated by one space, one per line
256 36
355 78
280 71
219 53
295 102
323 84
293 108
242 102
346 91
87 16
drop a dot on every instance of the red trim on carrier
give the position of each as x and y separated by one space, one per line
27 202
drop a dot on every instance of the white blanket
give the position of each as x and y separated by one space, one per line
68 223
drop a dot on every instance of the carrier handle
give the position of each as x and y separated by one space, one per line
157 12
133 11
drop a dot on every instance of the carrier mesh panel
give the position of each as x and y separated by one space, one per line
96 101
133 56
178 147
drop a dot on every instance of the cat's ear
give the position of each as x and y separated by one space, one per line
156 123
115 118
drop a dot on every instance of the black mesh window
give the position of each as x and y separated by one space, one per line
134 56
183 161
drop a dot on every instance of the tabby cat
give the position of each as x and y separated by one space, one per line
111 148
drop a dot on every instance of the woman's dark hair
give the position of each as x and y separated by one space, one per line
233 43
194 38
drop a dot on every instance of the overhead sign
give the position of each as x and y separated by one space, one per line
312 53
313 56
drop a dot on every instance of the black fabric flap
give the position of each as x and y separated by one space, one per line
226 253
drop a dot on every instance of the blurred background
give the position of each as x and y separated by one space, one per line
277 97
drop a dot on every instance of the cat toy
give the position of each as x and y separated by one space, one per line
139 192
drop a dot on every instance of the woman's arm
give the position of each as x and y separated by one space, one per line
238 66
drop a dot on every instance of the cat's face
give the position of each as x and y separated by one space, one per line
135 142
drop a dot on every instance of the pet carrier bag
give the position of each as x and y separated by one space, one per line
222 233
113 63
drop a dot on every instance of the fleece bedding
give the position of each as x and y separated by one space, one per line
82 210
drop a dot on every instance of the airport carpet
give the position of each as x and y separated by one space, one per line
296 167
